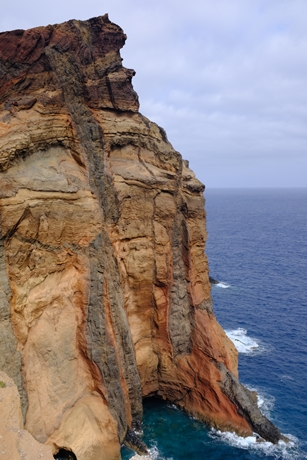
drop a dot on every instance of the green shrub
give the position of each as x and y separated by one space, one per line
2 384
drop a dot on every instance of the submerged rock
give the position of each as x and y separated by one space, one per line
104 294
213 281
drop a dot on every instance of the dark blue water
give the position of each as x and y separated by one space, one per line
257 246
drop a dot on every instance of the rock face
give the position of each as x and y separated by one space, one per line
15 442
104 294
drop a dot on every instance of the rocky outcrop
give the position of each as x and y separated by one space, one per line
213 281
246 402
105 294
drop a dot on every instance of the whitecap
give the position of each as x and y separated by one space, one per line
285 377
241 341
220 284
282 450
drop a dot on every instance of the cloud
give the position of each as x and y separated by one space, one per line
225 78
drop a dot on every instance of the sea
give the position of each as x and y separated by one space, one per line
257 250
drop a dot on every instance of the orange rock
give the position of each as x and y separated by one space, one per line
105 295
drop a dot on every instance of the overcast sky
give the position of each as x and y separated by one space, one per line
226 79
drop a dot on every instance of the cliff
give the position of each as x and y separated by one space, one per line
15 442
104 294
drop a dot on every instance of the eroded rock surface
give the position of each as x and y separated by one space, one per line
15 442
105 294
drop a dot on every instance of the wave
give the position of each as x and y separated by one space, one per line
282 450
155 454
264 400
222 285
241 341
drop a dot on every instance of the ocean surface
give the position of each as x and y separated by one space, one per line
257 249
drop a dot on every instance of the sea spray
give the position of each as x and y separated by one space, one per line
242 342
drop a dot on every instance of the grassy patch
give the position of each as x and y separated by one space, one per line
2 384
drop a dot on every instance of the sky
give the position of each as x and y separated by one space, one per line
226 79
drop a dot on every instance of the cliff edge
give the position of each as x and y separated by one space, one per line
104 293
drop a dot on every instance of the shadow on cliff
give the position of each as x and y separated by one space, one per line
65 455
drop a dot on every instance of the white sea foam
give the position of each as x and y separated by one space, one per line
282 450
222 285
286 377
173 406
241 341
155 454
265 401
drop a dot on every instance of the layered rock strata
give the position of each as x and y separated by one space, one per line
105 294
